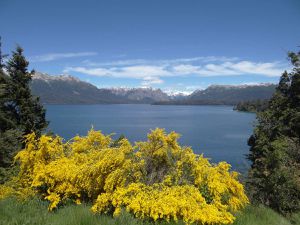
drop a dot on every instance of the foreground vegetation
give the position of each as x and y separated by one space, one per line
34 212
156 179
273 179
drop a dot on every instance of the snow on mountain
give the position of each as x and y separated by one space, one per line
47 78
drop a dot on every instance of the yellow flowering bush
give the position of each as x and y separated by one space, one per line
163 202
155 179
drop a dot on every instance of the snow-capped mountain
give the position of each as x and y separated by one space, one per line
66 89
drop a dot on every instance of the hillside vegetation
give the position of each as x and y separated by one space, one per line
225 95
252 106
273 179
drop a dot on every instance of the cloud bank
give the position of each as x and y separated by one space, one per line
153 71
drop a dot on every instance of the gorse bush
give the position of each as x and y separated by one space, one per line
156 179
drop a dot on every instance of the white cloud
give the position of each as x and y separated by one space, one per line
267 69
148 81
185 69
116 63
143 71
270 69
56 56
153 72
131 62
138 72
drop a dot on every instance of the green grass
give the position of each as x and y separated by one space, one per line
34 212
261 216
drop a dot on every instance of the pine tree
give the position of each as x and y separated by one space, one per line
20 112
10 136
274 177
25 108
1 55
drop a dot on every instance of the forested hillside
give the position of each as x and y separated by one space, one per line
225 95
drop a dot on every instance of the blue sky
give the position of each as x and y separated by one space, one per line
169 44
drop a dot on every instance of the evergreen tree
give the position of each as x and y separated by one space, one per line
274 177
10 136
20 112
25 108
1 55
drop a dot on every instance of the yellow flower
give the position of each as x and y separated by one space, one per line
155 179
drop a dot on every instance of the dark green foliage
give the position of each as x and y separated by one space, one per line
252 106
117 143
274 177
1 56
10 142
20 112
26 109
6 120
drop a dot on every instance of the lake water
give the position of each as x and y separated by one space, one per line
216 131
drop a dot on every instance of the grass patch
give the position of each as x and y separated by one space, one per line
260 215
34 212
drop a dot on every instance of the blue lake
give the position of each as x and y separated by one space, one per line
216 131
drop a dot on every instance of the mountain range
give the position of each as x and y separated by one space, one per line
66 89
225 95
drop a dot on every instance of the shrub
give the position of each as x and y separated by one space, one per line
156 179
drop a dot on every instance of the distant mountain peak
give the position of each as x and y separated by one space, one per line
178 93
229 86
61 77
